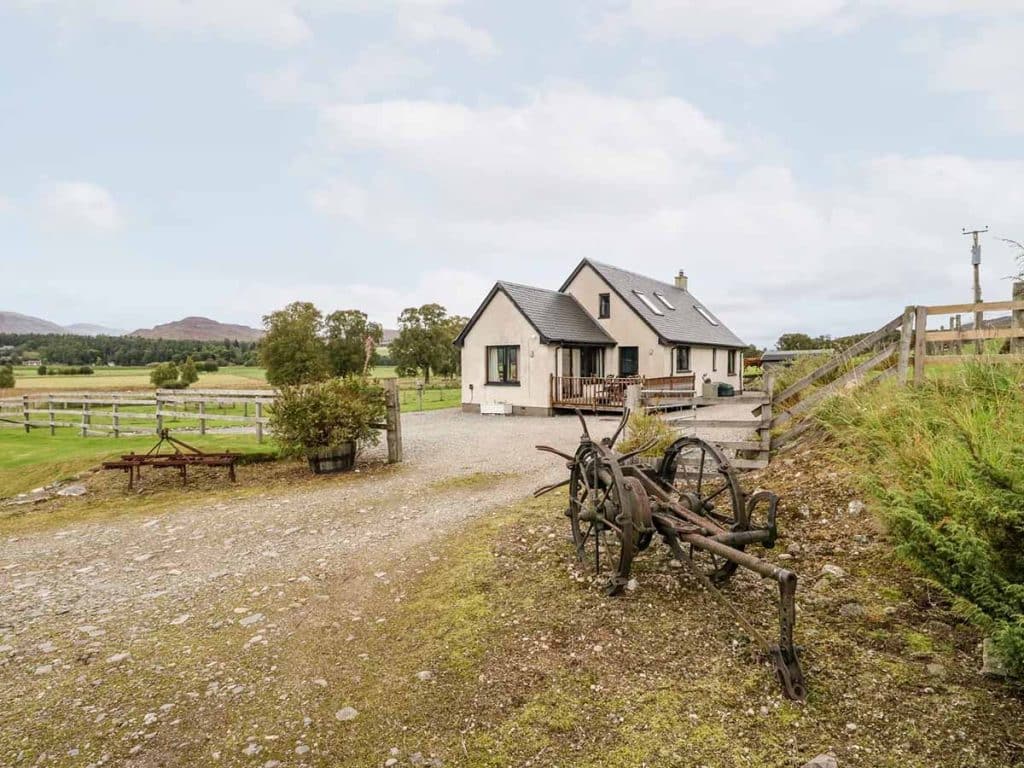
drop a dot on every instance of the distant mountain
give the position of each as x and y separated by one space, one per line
14 322
199 329
89 329
389 336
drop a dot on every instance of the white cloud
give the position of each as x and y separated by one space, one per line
522 192
760 22
431 26
79 205
989 63
376 70
273 22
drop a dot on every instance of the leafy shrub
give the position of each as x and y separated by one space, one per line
944 462
188 373
6 377
643 427
326 414
41 370
165 376
208 366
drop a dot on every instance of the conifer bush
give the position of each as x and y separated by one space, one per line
945 463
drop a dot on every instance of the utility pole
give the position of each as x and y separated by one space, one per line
976 264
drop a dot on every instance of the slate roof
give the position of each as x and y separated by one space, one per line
557 317
682 325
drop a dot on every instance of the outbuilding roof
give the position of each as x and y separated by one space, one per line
557 317
677 316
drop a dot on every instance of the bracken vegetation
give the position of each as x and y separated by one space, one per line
943 461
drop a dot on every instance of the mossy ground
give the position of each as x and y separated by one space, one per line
530 664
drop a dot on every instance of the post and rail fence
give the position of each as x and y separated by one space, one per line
134 413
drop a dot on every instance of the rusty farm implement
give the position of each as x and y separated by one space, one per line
692 499
181 457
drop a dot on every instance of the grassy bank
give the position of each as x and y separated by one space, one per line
943 462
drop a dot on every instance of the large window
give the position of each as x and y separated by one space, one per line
682 359
629 361
503 365
732 362
604 305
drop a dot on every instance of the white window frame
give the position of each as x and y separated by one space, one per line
664 301
648 303
705 314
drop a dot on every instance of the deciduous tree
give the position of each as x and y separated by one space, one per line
293 350
346 333
424 341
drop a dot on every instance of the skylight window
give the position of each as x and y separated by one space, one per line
705 314
664 301
650 304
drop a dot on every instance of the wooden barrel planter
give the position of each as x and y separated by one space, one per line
338 458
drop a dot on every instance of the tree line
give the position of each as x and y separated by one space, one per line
302 345
122 350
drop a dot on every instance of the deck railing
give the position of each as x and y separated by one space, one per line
591 392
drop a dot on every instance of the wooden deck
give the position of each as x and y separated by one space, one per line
607 394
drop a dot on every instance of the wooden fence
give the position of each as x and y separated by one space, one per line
130 413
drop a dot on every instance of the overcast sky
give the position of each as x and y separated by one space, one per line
809 163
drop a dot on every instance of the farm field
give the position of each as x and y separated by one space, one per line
229 377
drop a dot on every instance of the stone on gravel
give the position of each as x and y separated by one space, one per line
117 658
252 749
252 618
851 610
72 490
855 507
346 713
301 749
390 762
425 675
833 570
822 761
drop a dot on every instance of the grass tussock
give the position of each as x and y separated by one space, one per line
944 462
644 427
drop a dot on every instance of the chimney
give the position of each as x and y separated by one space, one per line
681 280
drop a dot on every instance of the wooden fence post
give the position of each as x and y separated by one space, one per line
765 429
159 415
906 334
393 412
25 413
920 343
1017 320
85 418
115 420
49 407
634 398
202 417
259 422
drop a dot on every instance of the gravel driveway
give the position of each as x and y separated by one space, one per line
99 590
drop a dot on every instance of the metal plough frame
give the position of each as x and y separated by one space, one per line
693 500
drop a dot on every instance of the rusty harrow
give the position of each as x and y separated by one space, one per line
692 499
181 458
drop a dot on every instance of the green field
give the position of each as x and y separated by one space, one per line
31 460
